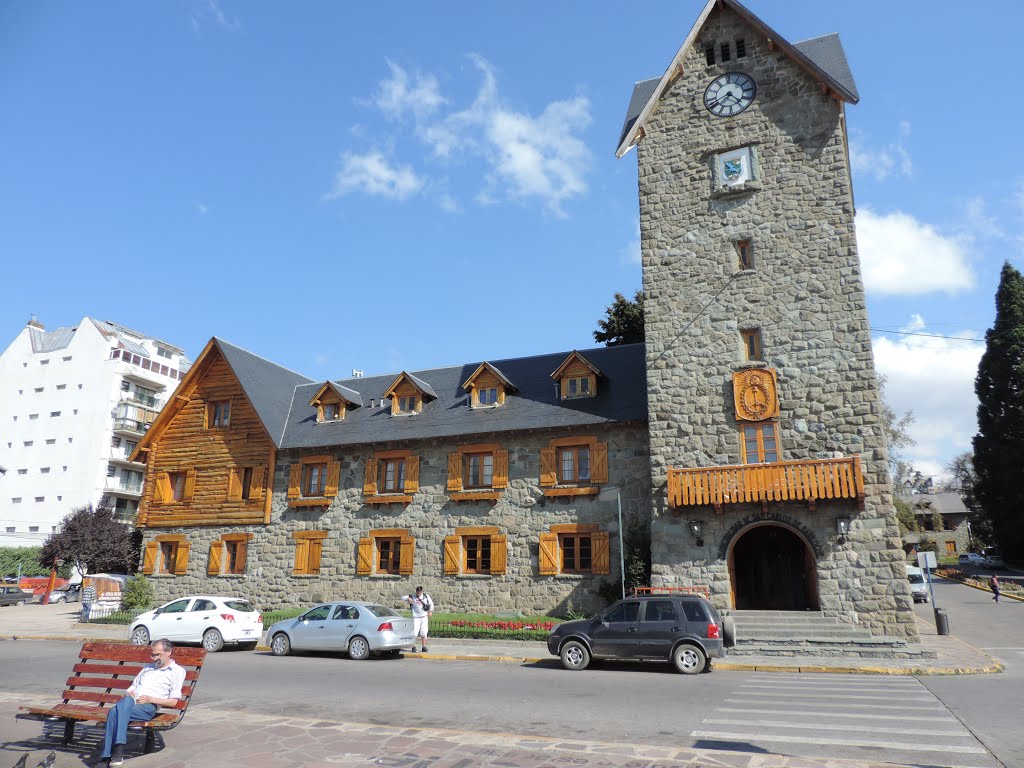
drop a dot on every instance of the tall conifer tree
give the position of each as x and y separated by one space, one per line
999 444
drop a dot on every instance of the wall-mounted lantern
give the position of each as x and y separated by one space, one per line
842 529
697 531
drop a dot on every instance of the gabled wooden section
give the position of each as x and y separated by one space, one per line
228 469
330 394
408 394
577 377
483 379
780 481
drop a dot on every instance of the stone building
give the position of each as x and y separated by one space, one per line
953 534
746 433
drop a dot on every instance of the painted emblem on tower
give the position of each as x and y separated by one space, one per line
756 394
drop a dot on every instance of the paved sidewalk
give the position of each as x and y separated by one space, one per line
212 736
60 622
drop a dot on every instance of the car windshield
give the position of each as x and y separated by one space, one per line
243 606
916 578
382 610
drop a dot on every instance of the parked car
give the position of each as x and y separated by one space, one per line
69 593
918 586
683 629
212 620
971 558
995 562
14 596
354 627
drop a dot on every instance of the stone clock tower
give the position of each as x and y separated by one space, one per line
768 461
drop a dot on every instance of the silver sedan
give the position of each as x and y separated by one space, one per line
350 626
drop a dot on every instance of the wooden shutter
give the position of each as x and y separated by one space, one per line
242 553
499 478
452 554
454 471
190 485
301 557
364 557
499 554
547 554
313 555
234 485
599 463
412 474
216 557
181 561
599 562
370 481
149 557
295 481
257 483
405 554
548 466
162 488
333 479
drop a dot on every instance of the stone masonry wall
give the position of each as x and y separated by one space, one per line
804 293
521 514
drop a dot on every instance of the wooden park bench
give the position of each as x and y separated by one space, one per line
99 680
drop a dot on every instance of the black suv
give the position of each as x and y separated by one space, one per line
683 629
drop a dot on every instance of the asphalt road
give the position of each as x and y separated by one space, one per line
991 706
890 719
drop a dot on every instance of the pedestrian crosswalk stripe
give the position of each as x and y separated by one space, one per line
751 737
851 715
834 696
901 707
837 680
829 727
831 689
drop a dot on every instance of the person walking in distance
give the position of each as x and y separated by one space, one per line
422 609
993 584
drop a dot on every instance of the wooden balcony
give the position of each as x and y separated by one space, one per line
782 481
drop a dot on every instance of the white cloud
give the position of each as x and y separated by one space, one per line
631 253
448 203
211 10
396 97
201 209
934 378
902 256
525 156
321 360
886 161
373 174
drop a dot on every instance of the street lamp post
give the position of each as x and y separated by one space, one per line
50 582
604 495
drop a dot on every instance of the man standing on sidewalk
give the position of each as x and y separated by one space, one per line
157 685
422 610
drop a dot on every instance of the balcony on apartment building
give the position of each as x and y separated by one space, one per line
808 481
123 485
140 398
131 426
121 453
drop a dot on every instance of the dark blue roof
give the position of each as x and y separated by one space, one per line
622 396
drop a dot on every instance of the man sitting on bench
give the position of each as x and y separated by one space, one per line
157 685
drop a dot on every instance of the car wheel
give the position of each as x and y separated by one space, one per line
358 648
213 641
20 602
689 659
575 656
729 632
140 636
280 645
58 601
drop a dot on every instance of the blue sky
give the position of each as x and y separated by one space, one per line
339 186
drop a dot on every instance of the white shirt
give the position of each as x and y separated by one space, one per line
164 683
420 605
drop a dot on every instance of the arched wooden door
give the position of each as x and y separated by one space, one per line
771 568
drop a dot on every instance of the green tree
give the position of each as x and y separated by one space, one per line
999 444
25 557
623 323
896 430
95 540
905 516
138 593
938 524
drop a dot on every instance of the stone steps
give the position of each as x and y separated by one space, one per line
811 633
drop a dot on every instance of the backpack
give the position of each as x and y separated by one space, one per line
428 603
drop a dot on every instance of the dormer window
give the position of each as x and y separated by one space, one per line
577 377
332 402
487 387
408 394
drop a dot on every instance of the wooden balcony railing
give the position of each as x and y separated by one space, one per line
782 481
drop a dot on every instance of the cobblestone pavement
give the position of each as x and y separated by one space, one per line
213 736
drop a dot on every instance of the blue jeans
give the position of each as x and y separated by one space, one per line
120 715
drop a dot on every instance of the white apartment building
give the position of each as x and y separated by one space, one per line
74 403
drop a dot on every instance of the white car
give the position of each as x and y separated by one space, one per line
210 620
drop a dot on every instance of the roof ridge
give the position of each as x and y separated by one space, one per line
220 340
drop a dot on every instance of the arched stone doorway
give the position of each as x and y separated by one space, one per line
772 568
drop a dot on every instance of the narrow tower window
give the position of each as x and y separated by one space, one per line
725 52
745 254
741 48
752 343
709 53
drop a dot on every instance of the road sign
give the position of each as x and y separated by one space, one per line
926 559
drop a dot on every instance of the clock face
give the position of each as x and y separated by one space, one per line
730 94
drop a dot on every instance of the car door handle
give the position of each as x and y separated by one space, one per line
178 619
631 629
676 629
